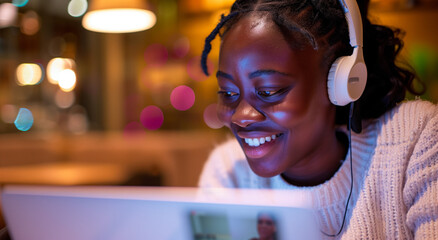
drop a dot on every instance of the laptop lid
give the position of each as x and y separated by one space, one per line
164 213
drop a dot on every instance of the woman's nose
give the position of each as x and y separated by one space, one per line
246 114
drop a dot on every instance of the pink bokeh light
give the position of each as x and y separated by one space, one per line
210 117
152 117
182 98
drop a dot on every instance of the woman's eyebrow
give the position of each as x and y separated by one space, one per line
255 74
224 75
259 73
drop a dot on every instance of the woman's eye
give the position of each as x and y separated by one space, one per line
266 93
270 93
227 94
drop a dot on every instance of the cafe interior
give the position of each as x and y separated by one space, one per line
87 99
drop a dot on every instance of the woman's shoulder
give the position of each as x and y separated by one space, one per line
418 107
411 112
407 120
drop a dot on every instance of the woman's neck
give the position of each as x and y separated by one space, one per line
320 168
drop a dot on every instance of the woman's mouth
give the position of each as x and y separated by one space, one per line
258 147
255 142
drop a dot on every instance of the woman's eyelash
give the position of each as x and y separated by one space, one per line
227 93
269 93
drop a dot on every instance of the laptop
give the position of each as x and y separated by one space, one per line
158 213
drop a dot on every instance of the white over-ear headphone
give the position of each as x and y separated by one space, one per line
348 74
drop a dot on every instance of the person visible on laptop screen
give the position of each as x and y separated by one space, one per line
289 106
266 227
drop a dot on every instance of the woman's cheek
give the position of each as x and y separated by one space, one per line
284 115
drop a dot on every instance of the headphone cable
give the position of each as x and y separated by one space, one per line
350 116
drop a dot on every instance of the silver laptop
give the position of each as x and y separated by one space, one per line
158 213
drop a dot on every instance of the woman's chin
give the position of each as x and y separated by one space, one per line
263 171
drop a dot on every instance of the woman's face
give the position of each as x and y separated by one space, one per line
274 98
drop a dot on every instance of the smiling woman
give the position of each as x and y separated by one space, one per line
268 89
274 95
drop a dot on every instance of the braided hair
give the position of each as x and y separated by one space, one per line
322 25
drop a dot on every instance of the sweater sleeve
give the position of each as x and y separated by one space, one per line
421 186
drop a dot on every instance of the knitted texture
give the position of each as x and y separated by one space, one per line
395 166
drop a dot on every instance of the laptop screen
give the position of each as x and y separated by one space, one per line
94 213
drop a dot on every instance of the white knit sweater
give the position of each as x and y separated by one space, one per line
395 166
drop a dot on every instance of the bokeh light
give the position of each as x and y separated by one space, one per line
194 69
29 74
64 99
156 55
210 117
24 120
182 98
77 8
77 122
8 113
20 3
152 117
119 20
30 23
8 14
56 66
67 81
181 47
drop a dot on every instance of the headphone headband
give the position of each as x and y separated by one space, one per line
354 21
348 74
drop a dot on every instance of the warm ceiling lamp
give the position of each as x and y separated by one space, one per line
118 16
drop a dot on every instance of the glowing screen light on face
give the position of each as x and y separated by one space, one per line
24 120
182 98
20 3
77 8
210 117
152 117
29 74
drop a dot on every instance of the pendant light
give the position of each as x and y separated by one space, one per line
118 16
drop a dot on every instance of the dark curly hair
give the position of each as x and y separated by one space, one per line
322 24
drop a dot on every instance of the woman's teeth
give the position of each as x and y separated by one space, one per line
255 142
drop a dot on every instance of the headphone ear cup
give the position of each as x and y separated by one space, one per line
346 80
334 81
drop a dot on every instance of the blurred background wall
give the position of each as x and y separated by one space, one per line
80 107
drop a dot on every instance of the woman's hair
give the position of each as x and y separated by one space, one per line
322 24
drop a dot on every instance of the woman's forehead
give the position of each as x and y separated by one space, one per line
252 22
261 26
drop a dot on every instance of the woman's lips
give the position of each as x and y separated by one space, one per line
258 147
